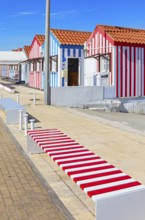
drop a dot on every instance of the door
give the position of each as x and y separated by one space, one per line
73 71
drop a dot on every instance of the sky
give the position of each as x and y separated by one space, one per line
21 20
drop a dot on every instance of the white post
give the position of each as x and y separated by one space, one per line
17 98
34 99
20 119
32 124
26 123
1 96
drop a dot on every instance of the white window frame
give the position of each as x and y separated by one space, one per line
105 63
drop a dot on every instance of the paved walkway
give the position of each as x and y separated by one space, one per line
126 121
123 148
22 195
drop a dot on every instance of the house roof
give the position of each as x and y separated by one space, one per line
40 38
12 56
27 50
70 37
124 35
18 49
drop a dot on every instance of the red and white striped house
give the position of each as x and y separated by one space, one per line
36 62
118 58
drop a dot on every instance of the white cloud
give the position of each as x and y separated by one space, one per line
71 14
63 14
23 13
26 13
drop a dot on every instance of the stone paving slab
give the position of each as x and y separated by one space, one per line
22 194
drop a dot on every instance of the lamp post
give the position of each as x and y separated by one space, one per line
47 89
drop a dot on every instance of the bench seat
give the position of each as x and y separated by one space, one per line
11 108
7 87
117 195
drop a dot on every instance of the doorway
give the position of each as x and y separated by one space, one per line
73 71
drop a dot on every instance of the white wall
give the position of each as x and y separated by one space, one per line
90 68
77 96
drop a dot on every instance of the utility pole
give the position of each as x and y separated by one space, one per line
47 89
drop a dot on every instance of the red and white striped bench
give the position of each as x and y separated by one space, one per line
117 195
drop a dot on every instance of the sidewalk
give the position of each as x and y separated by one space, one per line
122 148
22 195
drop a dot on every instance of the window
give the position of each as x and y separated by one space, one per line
104 63
42 66
31 67
37 66
54 63
4 67
34 66
11 67
16 67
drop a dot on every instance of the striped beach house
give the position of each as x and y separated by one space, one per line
67 57
116 56
24 73
10 63
36 62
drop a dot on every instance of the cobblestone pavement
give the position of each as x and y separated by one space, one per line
22 195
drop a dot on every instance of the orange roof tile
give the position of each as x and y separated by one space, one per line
18 49
40 38
71 37
27 50
124 35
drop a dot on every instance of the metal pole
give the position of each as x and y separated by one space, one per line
47 89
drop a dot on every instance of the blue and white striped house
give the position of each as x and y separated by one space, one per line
67 57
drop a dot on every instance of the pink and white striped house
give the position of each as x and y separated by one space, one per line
118 57
36 61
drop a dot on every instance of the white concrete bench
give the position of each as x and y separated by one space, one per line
11 109
117 195
7 87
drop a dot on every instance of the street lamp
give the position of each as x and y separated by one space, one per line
47 89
